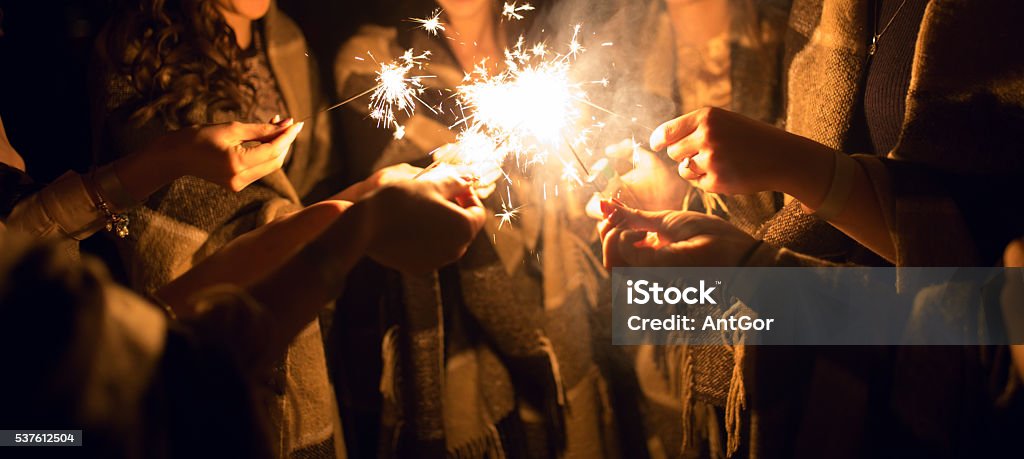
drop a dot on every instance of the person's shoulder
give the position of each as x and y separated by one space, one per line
281 29
363 52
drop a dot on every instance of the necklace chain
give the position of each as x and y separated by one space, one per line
876 36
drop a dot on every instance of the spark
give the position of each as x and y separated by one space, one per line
396 91
431 24
575 48
511 11
399 132
570 174
540 50
508 213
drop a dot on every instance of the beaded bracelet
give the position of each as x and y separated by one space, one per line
116 223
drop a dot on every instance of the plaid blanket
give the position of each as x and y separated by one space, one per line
191 218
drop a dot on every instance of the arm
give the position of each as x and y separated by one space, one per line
232 155
724 152
251 256
414 226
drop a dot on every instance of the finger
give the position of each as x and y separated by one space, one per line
283 141
643 219
609 248
477 215
1014 254
244 132
256 172
469 198
264 152
685 147
674 130
690 169
276 119
450 187
603 227
608 206
633 251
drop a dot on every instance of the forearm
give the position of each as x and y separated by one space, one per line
251 256
142 174
862 217
296 291
809 179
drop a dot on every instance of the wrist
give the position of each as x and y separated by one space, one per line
807 174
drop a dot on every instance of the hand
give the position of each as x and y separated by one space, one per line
232 155
420 225
382 177
1012 300
724 152
633 237
650 184
8 155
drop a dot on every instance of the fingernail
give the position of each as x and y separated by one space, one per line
657 139
276 119
300 125
616 217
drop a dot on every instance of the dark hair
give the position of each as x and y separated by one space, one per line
178 55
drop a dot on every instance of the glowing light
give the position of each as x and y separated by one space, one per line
508 213
511 11
575 48
431 24
396 91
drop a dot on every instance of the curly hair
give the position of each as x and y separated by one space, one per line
179 55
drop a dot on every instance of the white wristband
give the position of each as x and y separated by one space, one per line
839 190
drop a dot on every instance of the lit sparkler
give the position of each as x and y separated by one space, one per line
396 90
508 212
512 11
431 24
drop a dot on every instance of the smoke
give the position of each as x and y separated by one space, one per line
625 44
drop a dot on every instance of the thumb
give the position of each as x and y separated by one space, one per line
263 132
451 187
644 220
635 252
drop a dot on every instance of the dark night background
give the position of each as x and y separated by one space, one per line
45 51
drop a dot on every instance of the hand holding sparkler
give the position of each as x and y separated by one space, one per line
648 181
724 152
382 177
419 225
631 237
396 91
232 155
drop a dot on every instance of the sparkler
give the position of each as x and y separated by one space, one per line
395 91
431 24
508 212
524 112
511 11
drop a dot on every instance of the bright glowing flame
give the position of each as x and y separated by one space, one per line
532 101
432 24
511 11
396 91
